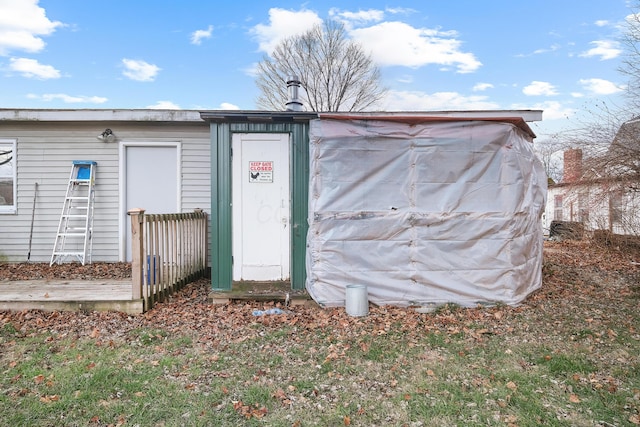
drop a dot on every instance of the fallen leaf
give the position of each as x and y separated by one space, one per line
347 420
511 385
574 398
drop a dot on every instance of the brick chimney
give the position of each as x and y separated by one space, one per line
572 165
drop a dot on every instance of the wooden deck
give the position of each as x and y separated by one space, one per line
69 295
116 295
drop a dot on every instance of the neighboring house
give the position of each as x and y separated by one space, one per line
601 193
424 207
158 160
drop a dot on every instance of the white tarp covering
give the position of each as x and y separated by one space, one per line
439 212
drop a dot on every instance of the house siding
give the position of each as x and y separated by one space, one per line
592 203
45 151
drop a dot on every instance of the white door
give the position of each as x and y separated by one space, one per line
261 245
151 182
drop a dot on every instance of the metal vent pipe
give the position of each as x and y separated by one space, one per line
293 86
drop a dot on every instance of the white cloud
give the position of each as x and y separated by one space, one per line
605 49
479 87
139 70
228 106
164 105
536 88
552 48
601 23
282 24
68 99
33 69
22 23
400 10
421 101
397 43
390 43
251 70
600 86
198 35
551 110
406 78
356 18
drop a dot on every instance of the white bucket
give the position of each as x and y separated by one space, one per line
357 300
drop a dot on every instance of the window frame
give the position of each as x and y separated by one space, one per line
13 208
557 207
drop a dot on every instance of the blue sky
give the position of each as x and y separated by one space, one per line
560 56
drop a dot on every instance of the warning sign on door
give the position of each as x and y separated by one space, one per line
260 171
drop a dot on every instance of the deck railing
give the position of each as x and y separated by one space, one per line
168 251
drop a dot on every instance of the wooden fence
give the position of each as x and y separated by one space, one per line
168 251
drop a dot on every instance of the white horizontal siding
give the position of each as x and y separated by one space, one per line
45 151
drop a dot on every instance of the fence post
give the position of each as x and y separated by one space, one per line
137 255
198 243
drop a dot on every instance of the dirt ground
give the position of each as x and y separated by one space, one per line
71 271
573 271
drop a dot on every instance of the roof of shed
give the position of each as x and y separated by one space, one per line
419 119
518 118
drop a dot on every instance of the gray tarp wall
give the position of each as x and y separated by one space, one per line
439 212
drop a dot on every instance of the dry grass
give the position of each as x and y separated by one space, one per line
568 356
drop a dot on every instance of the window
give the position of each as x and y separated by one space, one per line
616 207
7 176
557 208
583 208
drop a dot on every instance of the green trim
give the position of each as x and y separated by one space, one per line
221 261
299 204
221 185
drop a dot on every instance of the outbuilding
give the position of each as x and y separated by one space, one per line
421 207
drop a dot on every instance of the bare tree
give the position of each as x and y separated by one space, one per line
631 62
550 152
606 195
334 72
608 190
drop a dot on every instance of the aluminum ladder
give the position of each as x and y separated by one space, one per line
75 229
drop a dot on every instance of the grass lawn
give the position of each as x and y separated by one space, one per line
568 356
